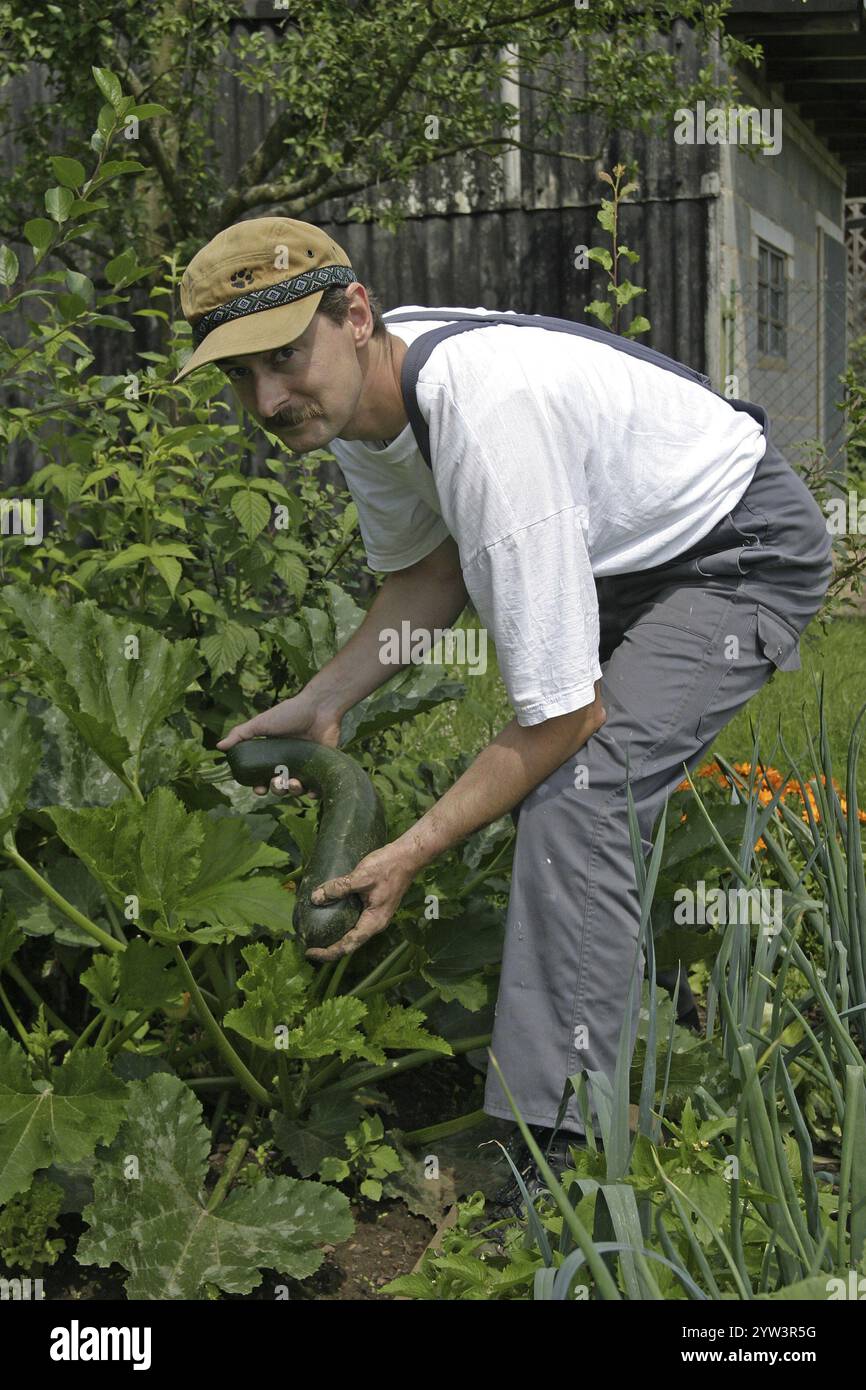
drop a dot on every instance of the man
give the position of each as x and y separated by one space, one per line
642 555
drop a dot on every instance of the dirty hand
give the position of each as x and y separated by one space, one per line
380 879
298 717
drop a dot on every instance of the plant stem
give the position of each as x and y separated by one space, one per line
236 1155
16 1021
25 986
378 971
87 1030
128 1031
405 1063
219 1039
104 1031
336 977
387 984
425 999
485 873
212 1083
108 942
219 1114
441 1131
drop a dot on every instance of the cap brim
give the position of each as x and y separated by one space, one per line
261 332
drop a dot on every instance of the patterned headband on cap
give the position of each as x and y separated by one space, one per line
272 297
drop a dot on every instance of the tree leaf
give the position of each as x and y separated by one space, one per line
109 86
8 265
39 232
58 1121
157 1225
58 203
223 649
601 310
68 172
291 569
169 569
252 511
598 253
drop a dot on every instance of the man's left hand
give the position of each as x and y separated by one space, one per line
380 879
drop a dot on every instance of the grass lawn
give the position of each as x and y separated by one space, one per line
790 696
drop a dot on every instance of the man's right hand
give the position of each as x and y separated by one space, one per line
298 717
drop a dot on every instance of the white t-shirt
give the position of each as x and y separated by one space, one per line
555 458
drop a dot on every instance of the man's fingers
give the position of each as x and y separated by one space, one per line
368 924
238 734
332 890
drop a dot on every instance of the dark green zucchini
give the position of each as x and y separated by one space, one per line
351 822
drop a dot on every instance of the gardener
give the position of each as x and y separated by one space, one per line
641 553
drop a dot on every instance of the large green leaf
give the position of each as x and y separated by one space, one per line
457 951
157 1227
142 977
148 850
114 680
232 908
275 985
395 1026
410 692
184 865
20 752
321 1135
70 773
60 1120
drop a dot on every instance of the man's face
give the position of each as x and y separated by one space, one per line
305 392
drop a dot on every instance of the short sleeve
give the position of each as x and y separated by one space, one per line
534 591
397 529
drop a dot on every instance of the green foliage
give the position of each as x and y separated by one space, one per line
622 291
146 945
55 1117
175 63
25 1223
368 1159
150 1214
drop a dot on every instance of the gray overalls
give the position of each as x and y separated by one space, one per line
668 688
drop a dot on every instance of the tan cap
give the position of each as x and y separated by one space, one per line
256 286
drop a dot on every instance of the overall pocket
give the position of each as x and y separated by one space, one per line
779 641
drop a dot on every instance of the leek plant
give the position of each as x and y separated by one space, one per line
729 1200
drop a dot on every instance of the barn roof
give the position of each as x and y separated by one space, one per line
815 52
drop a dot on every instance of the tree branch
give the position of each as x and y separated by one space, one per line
294 204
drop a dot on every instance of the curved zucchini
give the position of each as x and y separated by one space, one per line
351 822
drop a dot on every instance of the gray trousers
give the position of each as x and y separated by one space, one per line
672 678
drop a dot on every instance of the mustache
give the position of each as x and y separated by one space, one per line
286 417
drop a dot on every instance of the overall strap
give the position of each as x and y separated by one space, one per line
419 350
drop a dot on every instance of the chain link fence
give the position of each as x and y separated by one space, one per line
786 350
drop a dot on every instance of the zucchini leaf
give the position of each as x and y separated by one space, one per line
59 1120
157 1227
20 754
186 866
114 680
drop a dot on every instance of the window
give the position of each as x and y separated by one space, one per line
772 301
